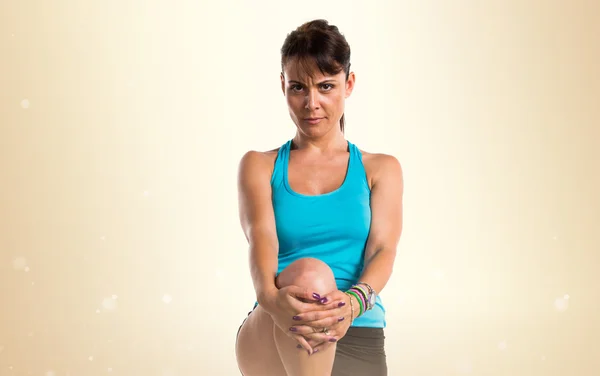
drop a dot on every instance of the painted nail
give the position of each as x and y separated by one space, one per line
332 339
297 318
316 350
293 329
341 318
299 346
323 300
341 304
316 296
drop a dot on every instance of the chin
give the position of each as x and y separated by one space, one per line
314 130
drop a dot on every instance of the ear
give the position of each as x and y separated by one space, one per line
350 84
282 83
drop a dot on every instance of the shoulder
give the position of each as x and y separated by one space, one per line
255 162
254 157
381 166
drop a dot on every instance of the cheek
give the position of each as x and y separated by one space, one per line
294 102
334 98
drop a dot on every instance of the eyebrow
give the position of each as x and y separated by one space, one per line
318 83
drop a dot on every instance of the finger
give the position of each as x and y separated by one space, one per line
301 300
302 330
303 308
335 304
303 343
334 296
322 347
314 342
316 315
304 294
315 339
326 322
309 296
321 343
330 303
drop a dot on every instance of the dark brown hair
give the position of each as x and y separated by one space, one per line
318 42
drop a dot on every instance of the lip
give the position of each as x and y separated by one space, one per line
313 120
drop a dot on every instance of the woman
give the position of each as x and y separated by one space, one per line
323 220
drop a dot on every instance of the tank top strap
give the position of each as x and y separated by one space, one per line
283 155
357 175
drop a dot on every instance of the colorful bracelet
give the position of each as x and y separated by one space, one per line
363 298
359 299
364 294
370 294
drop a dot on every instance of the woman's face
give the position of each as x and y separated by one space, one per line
315 104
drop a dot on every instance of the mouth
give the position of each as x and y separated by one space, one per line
313 120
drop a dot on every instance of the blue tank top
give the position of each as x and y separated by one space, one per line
332 227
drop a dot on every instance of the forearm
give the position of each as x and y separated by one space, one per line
378 269
263 269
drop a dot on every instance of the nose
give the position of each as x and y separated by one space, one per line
312 100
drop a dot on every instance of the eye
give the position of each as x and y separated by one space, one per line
331 86
296 87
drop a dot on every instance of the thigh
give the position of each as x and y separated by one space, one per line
361 352
255 348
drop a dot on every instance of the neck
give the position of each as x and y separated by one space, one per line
331 141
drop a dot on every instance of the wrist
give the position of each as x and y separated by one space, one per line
266 297
368 293
355 305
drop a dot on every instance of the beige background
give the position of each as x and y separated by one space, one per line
122 123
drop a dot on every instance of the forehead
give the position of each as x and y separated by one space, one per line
306 70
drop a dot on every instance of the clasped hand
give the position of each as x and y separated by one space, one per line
314 321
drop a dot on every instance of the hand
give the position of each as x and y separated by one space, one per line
336 318
287 304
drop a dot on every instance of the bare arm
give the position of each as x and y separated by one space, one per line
386 222
258 223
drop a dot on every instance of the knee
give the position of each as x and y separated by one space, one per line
310 273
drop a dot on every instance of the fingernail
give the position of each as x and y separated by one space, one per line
316 350
324 300
308 352
297 318
341 304
293 329
339 319
332 339
316 296
299 346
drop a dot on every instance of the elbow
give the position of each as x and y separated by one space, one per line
386 253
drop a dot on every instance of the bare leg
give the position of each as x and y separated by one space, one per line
256 352
317 276
259 354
